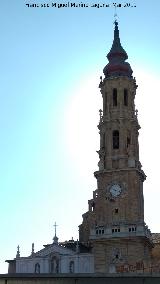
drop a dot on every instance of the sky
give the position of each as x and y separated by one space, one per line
50 63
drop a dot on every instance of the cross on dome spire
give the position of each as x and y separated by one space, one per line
18 252
55 226
55 238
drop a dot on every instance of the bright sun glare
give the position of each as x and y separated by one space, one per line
82 117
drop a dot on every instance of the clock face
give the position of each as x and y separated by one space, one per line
115 190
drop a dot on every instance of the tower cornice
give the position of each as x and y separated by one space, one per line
141 173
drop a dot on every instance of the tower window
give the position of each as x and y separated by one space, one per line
115 139
92 206
128 141
116 230
132 229
125 97
116 210
114 97
100 230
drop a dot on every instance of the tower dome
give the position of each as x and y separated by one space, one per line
117 56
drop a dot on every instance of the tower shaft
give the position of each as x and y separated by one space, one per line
114 223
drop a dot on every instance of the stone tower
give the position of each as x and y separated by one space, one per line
114 223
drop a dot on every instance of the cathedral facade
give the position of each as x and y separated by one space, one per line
113 236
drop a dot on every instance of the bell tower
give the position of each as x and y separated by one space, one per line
114 223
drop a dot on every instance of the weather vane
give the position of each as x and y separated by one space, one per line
115 14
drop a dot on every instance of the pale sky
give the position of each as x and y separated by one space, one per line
50 63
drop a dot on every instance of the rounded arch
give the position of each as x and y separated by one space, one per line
115 139
37 268
54 264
